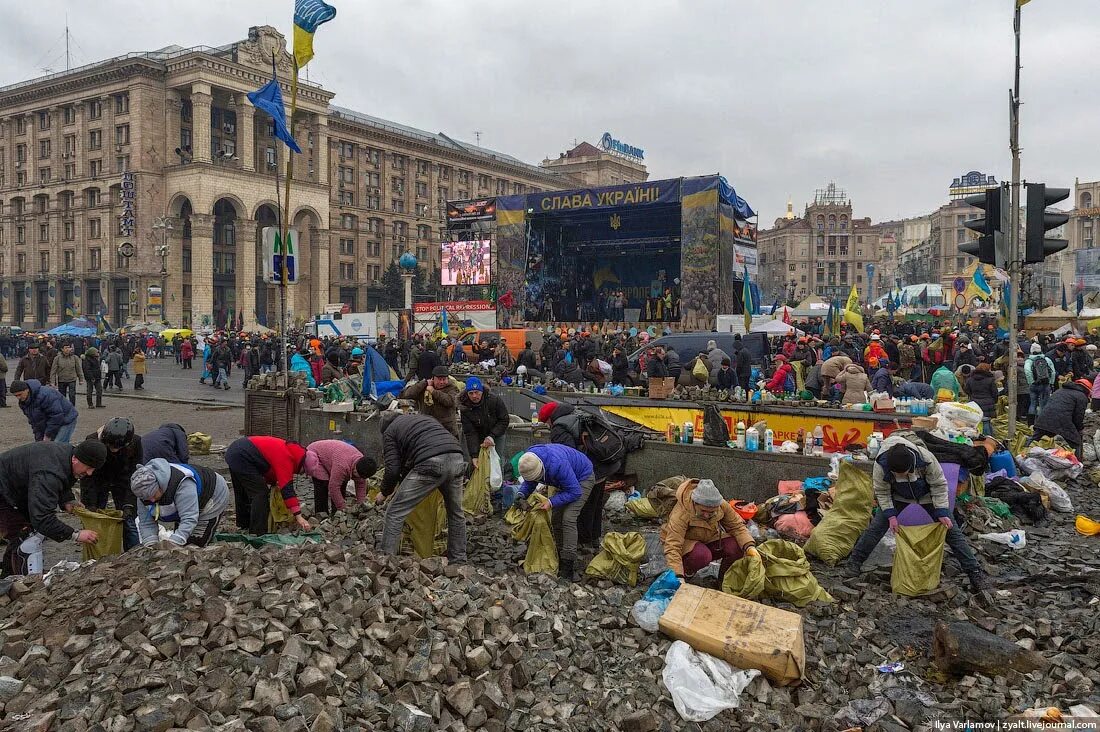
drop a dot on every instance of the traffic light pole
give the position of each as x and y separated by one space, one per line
1015 271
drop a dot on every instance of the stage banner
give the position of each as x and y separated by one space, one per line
478 209
703 275
512 256
452 306
634 194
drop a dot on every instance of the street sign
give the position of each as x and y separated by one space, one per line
960 302
273 256
126 249
960 284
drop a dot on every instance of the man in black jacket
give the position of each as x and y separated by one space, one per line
35 480
93 377
527 358
33 366
169 441
484 419
124 454
620 368
421 456
1064 414
742 363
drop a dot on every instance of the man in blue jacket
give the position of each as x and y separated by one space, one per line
169 441
52 417
571 473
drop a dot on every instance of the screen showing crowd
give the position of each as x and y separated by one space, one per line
466 262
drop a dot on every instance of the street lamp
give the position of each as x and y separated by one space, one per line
164 225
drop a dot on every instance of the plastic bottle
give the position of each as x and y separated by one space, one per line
769 440
752 439
819 440
675 433
534 413
808 448
689 433
668 433
741 435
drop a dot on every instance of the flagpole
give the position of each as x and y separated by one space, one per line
1014 264
285 225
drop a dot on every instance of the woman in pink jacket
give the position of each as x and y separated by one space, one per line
331 464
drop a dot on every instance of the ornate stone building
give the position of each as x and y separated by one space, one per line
176 128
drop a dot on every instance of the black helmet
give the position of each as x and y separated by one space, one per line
117 433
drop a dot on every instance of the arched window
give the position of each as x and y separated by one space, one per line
832 222
820 222
1086 200
843 223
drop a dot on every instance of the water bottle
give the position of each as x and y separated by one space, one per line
689 433
769 440
534 413
752 439
819 440
741 435
808 448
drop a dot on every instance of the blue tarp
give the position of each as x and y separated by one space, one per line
729 195
81 327
375 371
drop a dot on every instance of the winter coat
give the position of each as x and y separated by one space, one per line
907 356
1080 363
620 369
47 410
487 418
298 363
715 356
330 373
276 459
117 471
1064 413
683 529
139 363
426 364
727 378
66 369
410 439
656 368
943 378
779 378
169 441
185 506
834 366
187 351
916 390
565 426
853 380
882 381
442 404
925 484
36 479
563 468
981 387
90 363
333 462
114 361
1029 369
33 367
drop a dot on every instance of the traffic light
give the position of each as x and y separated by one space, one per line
991 246
1039 221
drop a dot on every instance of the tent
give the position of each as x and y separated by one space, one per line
812 307
80 327
1049 320
378 377
776 328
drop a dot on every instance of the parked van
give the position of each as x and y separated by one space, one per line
513 337
688 345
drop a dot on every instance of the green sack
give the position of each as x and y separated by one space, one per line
833 538
918 559
642 508
475 499
744 578
619 558
310 537
426 526
787 575
198 443
107 523
533 527
1000 431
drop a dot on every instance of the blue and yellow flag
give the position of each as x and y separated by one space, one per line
978 286
69 312
746 300
852 313
269 98
1003 321
308 15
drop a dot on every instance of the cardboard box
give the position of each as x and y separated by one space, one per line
925 423
744 633
661 388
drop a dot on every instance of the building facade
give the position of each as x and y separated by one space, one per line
1077 266
595 168
161 155
824 252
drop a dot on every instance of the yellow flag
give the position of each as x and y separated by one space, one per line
852 313
1021 3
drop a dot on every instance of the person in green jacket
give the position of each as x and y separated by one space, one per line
943 378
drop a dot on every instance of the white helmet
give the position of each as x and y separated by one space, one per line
521 370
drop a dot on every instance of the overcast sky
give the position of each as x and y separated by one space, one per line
890 99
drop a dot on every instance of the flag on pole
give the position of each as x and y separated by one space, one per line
269 99
444 325
1080 302
786 315
308 15
746 299
852 312
1065 303
1002 318
69 312
922 298
978 286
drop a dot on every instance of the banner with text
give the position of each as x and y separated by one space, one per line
635 194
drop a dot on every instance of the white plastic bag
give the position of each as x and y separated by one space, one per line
1059 499
496 474
615 502
702 685
960 416
1015 539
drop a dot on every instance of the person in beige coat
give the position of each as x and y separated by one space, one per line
853 380
703 527
830 369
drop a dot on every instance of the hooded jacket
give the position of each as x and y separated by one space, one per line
1064 413
116 471
943 378
565 426
276 459
46 410
333 462
882 381
90 363
779 378
169 441
683 529
981 387
563 468
36 479
834 365
184 506
926 484
487 418
853 380
410 439
66 369
299 363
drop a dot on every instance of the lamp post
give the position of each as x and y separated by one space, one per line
164 225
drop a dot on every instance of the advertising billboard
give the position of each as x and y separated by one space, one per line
481 209
466 262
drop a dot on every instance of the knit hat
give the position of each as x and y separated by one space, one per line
92 453
474 384
546 410
1036 349
440 371
900 459
706 494
18 386
143 482
530 466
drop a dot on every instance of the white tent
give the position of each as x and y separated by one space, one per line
812 307
776 328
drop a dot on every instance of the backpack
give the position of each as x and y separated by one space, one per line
789 384
1040 369
604 442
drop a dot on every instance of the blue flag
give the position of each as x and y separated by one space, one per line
269 98
444 324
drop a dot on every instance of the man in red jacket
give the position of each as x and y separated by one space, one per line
256 464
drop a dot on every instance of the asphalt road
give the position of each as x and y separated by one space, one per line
166 380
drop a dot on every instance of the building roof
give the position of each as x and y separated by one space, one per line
584 150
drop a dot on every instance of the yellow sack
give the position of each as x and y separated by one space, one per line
918 559
619 558
787 575
1019 442
642 508
108 525
533 527
198 443
744 578
278 515
475 499
426 526
833 538
700 370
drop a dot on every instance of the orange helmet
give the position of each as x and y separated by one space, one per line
744 509
1085 383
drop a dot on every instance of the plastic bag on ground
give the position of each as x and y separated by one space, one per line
642 508
883 553
702 685
1059 499
619 558
787 575
655 601
476 502
744 578
108 524
533 528
615 502
1015 539
310 537
832 539
918 559
496 471
960 416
